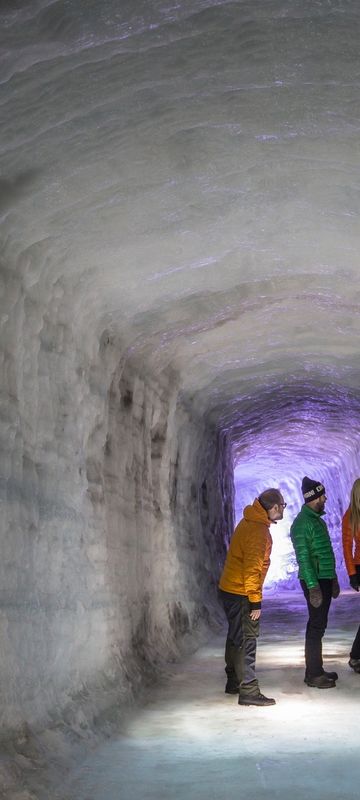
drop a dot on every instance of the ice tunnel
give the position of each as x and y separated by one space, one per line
299 431
179 223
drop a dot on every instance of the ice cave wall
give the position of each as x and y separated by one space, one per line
179 287
117 504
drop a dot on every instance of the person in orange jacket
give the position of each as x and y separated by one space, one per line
351 548
240 592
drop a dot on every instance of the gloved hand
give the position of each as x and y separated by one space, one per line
354 582
335 590
315 596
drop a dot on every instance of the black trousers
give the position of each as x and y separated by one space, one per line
355 650
315 629
240 648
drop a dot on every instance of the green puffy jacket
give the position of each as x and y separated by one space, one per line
312 546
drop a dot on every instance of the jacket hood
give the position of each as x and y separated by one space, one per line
256 513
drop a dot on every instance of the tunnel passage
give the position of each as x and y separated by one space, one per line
285 434
179 288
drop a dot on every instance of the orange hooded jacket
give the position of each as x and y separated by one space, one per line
351 544
248 557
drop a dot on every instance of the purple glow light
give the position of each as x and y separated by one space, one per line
281 439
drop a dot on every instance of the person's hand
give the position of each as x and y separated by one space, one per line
255 614
315 596
354 582
335 590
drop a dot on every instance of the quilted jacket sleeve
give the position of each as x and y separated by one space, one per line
256 564
302 538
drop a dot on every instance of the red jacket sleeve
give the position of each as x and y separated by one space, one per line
347 541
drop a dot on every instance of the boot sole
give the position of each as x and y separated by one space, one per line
316 686
259 705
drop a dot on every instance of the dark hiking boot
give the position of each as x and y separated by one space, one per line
255 700
320 682
232 687
332 675
354 663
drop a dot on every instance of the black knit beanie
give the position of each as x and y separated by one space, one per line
311 489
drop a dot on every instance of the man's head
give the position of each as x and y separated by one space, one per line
314 494
273 503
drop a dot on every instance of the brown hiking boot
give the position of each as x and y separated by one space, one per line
255 700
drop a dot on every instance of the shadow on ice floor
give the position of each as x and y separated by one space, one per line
192 742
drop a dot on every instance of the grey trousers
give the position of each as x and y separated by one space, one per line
240 648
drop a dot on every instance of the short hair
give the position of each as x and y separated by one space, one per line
270 498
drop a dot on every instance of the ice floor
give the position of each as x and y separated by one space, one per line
192 742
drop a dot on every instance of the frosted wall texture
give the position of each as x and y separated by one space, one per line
179 201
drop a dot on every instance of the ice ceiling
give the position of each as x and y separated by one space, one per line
184 177
179 290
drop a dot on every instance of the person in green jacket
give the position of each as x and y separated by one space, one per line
317 575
